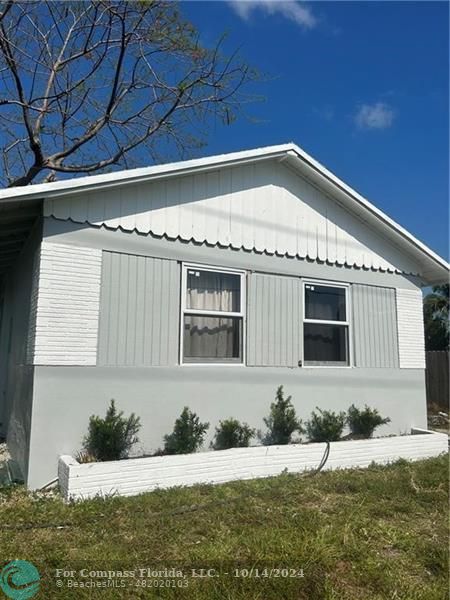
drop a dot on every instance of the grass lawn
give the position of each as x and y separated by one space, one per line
362 534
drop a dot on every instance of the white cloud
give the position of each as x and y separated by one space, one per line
374 116
294 11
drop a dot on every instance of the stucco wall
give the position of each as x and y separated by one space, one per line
65 397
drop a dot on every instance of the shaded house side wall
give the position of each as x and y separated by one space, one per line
16 349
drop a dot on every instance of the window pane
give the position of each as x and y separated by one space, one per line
208 290
325 303
325 344
209 339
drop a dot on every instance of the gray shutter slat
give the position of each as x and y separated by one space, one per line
139 312
273 320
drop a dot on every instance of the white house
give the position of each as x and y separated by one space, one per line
205 283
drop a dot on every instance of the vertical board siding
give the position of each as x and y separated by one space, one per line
273 321
374 327
66 320
139 313
262 206
411 337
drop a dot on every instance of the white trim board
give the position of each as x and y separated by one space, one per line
348 324
241 314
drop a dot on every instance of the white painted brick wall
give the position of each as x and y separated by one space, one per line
68 304
63 477
411 337
137 475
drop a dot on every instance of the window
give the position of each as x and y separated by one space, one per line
326 325
212 315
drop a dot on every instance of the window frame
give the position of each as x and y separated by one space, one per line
184 310
347 323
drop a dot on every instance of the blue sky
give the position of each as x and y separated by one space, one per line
362 86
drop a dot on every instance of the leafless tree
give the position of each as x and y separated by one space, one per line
91 85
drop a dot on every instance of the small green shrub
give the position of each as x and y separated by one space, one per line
282 421
325 426
363 422
111 438
188 434
232 434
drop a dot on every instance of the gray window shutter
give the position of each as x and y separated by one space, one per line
273 320
139 311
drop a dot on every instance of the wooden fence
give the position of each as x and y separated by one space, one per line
437 379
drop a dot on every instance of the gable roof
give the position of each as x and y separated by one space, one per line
434 269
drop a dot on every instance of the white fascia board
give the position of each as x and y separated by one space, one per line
76 185
357 198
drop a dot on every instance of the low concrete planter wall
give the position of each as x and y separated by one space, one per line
137 475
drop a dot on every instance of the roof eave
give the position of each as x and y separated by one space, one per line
135 176
435 269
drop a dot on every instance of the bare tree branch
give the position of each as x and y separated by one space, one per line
106 84
5 11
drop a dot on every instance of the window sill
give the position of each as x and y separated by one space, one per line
210 364
327 367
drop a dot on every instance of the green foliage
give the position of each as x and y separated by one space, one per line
282 421
325 426
232 434
436 318
390 517
364 422
188 434
111 438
